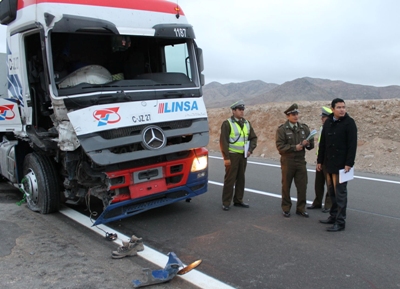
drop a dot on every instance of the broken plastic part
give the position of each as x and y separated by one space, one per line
170 270
111 236
189 267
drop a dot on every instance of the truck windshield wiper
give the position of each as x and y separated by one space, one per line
173 94
118 97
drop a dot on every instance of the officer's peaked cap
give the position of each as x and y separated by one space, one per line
293 108
326 111
238 104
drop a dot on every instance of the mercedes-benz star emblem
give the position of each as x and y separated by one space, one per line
153 138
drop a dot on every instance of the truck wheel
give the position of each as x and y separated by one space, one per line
41 184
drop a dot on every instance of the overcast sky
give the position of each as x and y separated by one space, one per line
356 41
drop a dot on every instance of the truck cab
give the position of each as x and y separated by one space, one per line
104 100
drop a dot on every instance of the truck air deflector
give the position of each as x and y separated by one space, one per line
174 30
72 23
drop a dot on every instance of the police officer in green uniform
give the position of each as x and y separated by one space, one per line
237 142
291 142
320 176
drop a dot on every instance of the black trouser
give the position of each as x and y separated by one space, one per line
319 186
338 194
234 176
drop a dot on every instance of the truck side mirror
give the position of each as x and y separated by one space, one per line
8 11
200 64
202 80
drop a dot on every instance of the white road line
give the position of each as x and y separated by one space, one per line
295 199
309 170
258 192
195 277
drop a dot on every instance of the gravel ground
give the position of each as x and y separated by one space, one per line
52 251
378 135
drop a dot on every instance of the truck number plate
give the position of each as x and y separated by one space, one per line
141 118
180 32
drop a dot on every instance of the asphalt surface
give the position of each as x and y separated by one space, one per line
53 251
245 248
258 248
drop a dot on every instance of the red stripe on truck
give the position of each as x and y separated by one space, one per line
145 5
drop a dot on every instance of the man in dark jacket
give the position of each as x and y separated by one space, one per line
337 151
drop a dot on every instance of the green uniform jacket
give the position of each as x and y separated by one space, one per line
224 138
286 139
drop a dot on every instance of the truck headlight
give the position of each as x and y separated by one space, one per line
199 164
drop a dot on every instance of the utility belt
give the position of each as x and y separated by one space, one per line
236 153
294 155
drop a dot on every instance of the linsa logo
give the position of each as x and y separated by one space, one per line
6 112
177 106
107 116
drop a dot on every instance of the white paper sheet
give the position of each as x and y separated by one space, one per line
246 148
345 177
312 134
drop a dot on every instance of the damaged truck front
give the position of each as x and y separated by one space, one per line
104 100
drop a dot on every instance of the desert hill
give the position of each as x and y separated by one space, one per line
377 121
305 88
221 95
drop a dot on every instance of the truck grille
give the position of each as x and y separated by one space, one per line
126 144
135 130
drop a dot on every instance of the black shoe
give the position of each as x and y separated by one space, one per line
328 221
326 210
225 208
312 207
336 228
286 214
243 205
304 214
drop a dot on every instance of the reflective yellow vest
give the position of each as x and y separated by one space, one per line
238 136
319 139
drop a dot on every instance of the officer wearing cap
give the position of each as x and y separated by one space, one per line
320 176
291 142
237 142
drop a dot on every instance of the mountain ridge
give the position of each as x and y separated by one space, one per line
254 92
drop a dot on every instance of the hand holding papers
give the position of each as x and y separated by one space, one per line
312 134
306 142
246 148
344 177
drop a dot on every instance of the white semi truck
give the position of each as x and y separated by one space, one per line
104 100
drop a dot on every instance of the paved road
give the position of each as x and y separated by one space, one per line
258 248
245 248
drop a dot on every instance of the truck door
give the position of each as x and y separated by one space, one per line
36 100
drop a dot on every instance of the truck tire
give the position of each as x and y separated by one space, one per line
41 183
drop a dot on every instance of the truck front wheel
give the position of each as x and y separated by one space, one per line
41 184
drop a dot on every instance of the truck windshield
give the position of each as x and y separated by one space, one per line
87 63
